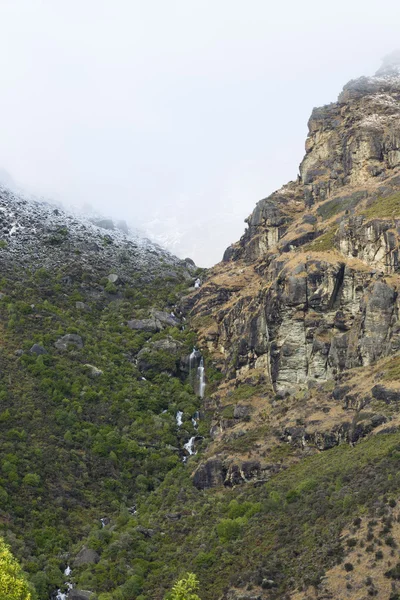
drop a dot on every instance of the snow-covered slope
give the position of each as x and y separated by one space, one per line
36 234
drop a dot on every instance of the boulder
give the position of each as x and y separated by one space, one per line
165 318
210 474
81 306
86 556
71 338
150 325
381 392
104 223
241 412
93 371
38 349
148 533
148 357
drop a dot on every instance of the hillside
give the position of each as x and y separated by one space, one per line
281 480
92 375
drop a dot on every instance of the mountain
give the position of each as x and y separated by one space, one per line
302 320
93 370
280 480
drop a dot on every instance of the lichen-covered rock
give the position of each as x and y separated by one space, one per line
315 302
86 556
71 339
149 325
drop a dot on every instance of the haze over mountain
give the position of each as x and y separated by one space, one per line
178 116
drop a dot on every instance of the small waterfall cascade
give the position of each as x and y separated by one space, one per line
189 446
193 358
201 378
64 595
197 372
195 419
179 416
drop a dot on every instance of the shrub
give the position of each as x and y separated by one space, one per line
229 529
13 585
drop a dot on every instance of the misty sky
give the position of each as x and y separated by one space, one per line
175 115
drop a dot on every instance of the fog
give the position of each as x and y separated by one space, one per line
175 115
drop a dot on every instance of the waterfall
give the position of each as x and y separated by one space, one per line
197 375
189 446
64 595
192 358
195 419
179 416
201 377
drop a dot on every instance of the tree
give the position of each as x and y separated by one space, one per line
185 589
13 585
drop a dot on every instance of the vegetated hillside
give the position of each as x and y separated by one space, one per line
93 370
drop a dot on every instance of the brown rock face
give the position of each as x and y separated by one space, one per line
319 248
309 295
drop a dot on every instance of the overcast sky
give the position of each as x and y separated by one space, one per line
175 115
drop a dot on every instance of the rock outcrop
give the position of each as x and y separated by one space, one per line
318 251
309 295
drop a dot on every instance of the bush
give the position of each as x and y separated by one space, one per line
13 585
230 529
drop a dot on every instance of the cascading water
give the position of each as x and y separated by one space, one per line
179 416
201 378
192 358
64 595
189 446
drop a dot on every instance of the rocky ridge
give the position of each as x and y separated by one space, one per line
303 312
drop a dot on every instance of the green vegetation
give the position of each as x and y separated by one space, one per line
13 585
330 208
246 391
90 433
392 370
77 446
185 589
287 530
383 207
323 243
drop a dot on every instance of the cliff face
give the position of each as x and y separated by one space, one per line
308 298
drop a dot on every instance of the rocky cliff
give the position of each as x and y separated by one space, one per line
304 309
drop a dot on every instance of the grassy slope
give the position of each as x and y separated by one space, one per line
287 531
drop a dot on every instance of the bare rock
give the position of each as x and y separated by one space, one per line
86 556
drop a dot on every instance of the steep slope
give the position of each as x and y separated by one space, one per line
294 489
93 370
302 315
306 304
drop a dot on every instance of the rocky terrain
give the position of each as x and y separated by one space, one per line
302 315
